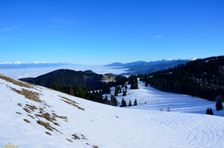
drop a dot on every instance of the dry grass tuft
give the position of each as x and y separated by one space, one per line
51 117
47 116
34 96
46 125
61 117
71 102
29 108
19 83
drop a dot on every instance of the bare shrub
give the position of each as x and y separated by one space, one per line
34 96
46 125
71 102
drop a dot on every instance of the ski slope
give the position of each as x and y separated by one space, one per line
37 117
149 98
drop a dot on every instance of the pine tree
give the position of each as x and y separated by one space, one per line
134 85
105 88
219 105
135 103
126 88
123 103
116 91
133 81
209 111
124 93
129 104
114 100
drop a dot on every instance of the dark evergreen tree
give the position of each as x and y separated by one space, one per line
116 91
209 111
134 85
121 80
133 81
126 88
129 104
219 105
135 102
105 88
124 93
123 103
113 100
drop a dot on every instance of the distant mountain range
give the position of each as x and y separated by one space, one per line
143 67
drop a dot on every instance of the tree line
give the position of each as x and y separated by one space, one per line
100 95
201 78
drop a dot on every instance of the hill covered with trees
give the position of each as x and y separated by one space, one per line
78 83
68 78
202 78
84 84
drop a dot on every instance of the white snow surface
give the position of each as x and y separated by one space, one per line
149 98
101 125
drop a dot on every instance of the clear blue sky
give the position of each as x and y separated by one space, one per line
105 31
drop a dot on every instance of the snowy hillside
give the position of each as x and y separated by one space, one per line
33 116
149 98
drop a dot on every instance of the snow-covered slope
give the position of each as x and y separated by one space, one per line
33 116
149 98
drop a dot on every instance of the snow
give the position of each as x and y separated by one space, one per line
149 98
102 125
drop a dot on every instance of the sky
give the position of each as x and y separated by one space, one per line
106 31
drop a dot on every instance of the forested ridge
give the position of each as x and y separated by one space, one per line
202 78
